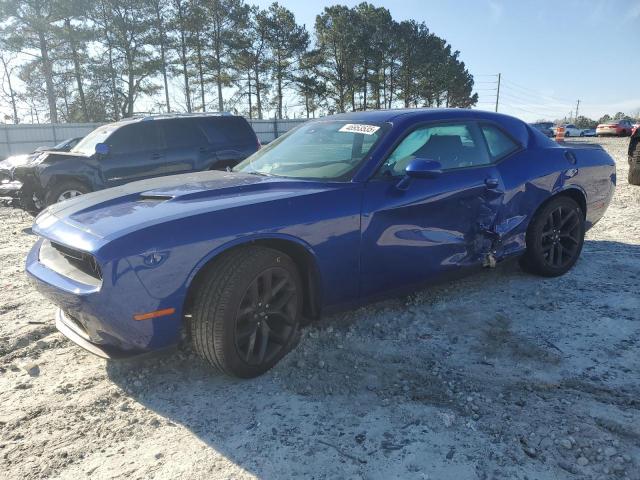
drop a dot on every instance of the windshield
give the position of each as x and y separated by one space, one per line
87 146
62 145
320 149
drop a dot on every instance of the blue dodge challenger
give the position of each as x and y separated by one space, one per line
338 212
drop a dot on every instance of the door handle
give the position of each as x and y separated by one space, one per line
155 156
491 182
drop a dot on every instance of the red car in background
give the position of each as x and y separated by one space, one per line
620 128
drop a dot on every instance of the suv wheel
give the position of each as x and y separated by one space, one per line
634 162
246 313
65 190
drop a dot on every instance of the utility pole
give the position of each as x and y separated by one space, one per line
577 105
498 92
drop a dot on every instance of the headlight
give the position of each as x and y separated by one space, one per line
37 160
45 219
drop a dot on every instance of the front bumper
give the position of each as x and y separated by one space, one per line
74 331
19 192
99 318
10 193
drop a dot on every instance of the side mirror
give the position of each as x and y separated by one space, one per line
423 168
102 149
419 168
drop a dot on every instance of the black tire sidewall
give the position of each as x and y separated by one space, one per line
634 174
534 258
634 165
54 193
224 332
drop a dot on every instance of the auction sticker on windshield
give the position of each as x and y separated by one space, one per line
359 128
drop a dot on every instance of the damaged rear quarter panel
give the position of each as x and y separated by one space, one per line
534 176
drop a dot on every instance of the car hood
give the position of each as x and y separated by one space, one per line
17 161
111 213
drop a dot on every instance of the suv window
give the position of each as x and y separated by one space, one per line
136 137
498 142
456 145
183 132
227 130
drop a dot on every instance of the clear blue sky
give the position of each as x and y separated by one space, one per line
550 53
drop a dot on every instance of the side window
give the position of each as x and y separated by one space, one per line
136 137
182 133
456 145
498 142
224 131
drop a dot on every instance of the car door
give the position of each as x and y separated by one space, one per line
136 151
187 148
428 228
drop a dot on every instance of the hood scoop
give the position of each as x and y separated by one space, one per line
154 197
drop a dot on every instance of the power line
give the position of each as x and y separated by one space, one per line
540 114
528 103
533 99
530 91
498 91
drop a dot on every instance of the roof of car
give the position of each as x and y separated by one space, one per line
421 113
166 116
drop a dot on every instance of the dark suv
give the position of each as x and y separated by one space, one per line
132 149
544 127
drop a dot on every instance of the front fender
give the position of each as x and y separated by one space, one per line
246 240
79 170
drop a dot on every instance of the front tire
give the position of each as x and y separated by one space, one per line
65 190
554 238
247 310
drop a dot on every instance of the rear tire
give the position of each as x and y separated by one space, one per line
247 311
554 238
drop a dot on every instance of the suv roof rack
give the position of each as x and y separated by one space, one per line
162 116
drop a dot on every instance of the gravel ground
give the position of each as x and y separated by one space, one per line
501 375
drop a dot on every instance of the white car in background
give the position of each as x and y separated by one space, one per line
570 130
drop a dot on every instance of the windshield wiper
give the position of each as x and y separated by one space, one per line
262 174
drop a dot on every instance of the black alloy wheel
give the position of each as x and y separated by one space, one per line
554 238
561 237
266 318
246 310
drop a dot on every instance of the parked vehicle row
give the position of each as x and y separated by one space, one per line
337 213
125 151
545 127
621 128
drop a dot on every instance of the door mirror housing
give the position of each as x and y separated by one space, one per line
419 168
102 149
423 168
